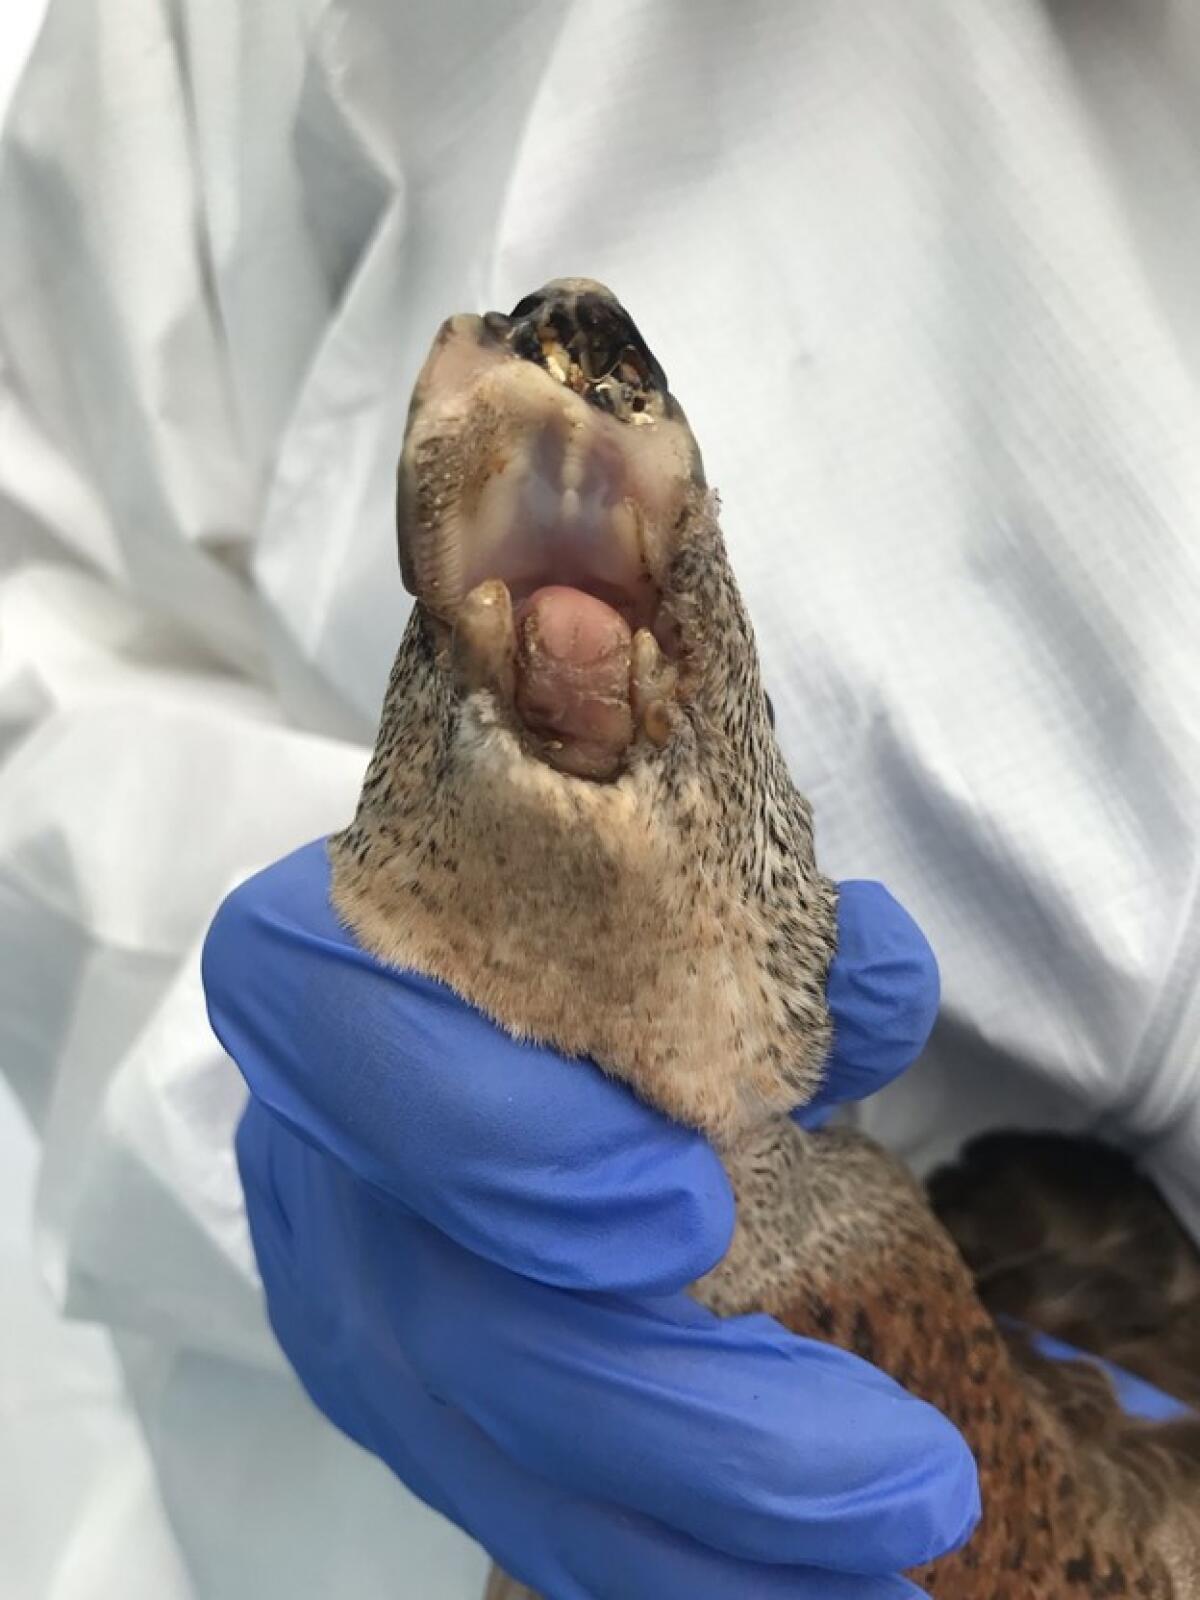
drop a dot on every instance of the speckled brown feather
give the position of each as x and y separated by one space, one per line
1078 1500
1066 1235
671 924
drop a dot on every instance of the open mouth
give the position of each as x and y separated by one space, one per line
558 513
543 479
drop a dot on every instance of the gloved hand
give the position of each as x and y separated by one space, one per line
474 1255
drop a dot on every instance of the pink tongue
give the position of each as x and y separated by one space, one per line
573 679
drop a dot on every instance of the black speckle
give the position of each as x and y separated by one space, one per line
1081 1568
863 1336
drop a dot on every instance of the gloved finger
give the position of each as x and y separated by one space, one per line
576 1549
544 1166
883 994
768 1447
558 1541
836 1465
1137 1397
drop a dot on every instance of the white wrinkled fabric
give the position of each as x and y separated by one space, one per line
924 280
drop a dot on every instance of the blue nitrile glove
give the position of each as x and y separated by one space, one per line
474 1255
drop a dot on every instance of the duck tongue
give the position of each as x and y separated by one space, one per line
572 684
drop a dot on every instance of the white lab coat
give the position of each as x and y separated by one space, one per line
924 277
